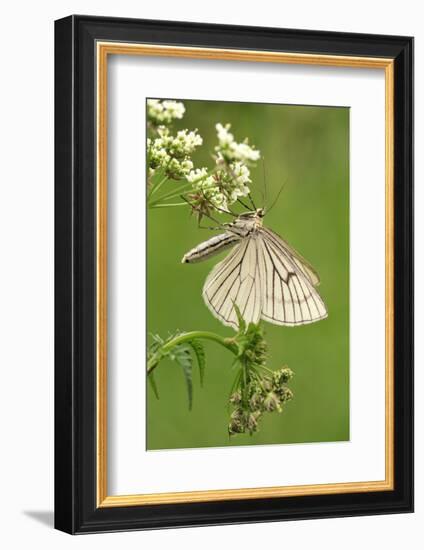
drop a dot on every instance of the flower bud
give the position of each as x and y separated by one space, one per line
287 395
256 400
235 399
286 374
267 384
236 426
271 402
237 414
252 421
249 354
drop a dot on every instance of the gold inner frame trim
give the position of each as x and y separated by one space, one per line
104 49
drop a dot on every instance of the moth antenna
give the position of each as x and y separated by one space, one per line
264 193
277 197
251 200
243 204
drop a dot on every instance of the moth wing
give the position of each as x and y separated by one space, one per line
289 296
297 258
236 280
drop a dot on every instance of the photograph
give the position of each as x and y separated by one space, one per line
247 273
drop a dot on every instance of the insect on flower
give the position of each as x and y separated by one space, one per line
263 275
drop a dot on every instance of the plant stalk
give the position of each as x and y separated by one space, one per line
170 195
187 337
169 204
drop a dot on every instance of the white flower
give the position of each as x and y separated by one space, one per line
178 169
229 150
240 177
206 185
216 198
224 136
208 189
186 142
243 152
172 153
196 175
174 109
241 173
219 200
186 166
164 112
157 154
223 187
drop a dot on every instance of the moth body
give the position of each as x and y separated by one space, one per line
209 248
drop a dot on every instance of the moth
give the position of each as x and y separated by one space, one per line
263 275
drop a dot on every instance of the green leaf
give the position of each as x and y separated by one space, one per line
199 352
241 321
181 354
153 385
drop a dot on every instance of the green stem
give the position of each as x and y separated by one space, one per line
187 337
169 204
156 187
266 369
244 388
170 195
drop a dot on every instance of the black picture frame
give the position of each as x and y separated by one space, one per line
76 510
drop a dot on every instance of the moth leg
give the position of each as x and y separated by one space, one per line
216 228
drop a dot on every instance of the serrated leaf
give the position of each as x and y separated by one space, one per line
153 385
183 357
155 346
199 352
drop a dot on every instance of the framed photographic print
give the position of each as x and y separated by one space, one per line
234 274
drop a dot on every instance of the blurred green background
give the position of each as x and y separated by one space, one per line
307 149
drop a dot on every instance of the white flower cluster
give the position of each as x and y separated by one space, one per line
164 112
221 188
229 150
195 176
230 178
207 192
206 189
172 153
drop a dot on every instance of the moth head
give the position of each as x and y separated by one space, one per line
253 214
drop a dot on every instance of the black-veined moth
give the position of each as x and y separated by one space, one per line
263 275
